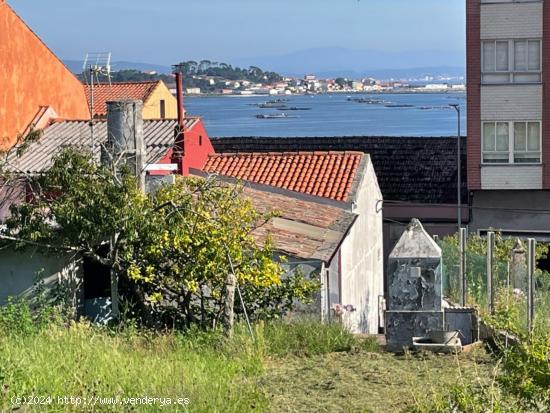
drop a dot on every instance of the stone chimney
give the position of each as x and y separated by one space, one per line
125 146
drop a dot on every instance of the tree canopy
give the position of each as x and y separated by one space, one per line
171 249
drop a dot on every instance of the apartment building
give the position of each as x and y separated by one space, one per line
508 83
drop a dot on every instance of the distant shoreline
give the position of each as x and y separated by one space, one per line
396 92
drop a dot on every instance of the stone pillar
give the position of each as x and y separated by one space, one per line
415 303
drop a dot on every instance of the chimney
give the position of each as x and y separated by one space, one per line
125 144
179 143
179 96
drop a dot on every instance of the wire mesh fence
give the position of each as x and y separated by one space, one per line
510 292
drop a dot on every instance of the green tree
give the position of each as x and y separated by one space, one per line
172 249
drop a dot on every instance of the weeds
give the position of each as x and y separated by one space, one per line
306 338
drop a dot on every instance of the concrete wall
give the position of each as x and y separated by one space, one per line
505 210
151 108
19 272
511 21
362 258
32 76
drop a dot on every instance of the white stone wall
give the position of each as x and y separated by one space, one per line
511 177
511 21
362 259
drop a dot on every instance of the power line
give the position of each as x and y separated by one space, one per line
523 210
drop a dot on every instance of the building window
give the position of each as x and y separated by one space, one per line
511 142
511 61
496 142
526 142
162 109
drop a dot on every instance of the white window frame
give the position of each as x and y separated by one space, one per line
512 72
511 142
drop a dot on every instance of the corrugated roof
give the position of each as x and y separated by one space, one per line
159 137
105 92
325 174
305 229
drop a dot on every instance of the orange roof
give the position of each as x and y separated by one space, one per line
105 92
325 174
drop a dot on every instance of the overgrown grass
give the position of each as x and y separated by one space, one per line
305 338
85 361
304 366
46 357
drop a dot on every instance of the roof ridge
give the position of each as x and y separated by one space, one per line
129 82
288 153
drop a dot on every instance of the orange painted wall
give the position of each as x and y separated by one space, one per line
32 76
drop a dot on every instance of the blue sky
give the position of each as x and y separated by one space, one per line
165 31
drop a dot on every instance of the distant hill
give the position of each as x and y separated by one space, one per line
332 62
75 66
338 61
385 74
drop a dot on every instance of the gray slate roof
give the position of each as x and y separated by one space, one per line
38 157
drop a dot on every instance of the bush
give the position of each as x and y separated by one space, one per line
17 317
527 368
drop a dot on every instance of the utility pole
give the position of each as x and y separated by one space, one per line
456 107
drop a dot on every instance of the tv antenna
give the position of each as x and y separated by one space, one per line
96 65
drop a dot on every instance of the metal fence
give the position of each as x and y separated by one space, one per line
498 275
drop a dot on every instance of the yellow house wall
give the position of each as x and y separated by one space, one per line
151 108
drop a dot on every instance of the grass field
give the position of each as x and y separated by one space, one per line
303 367
368 382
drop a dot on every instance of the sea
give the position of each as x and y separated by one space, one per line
418 114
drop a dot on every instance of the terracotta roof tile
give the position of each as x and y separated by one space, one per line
409 169
320 173
105 92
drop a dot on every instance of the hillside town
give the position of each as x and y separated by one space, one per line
311 84
148 264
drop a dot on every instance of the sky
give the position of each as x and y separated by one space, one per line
166 31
